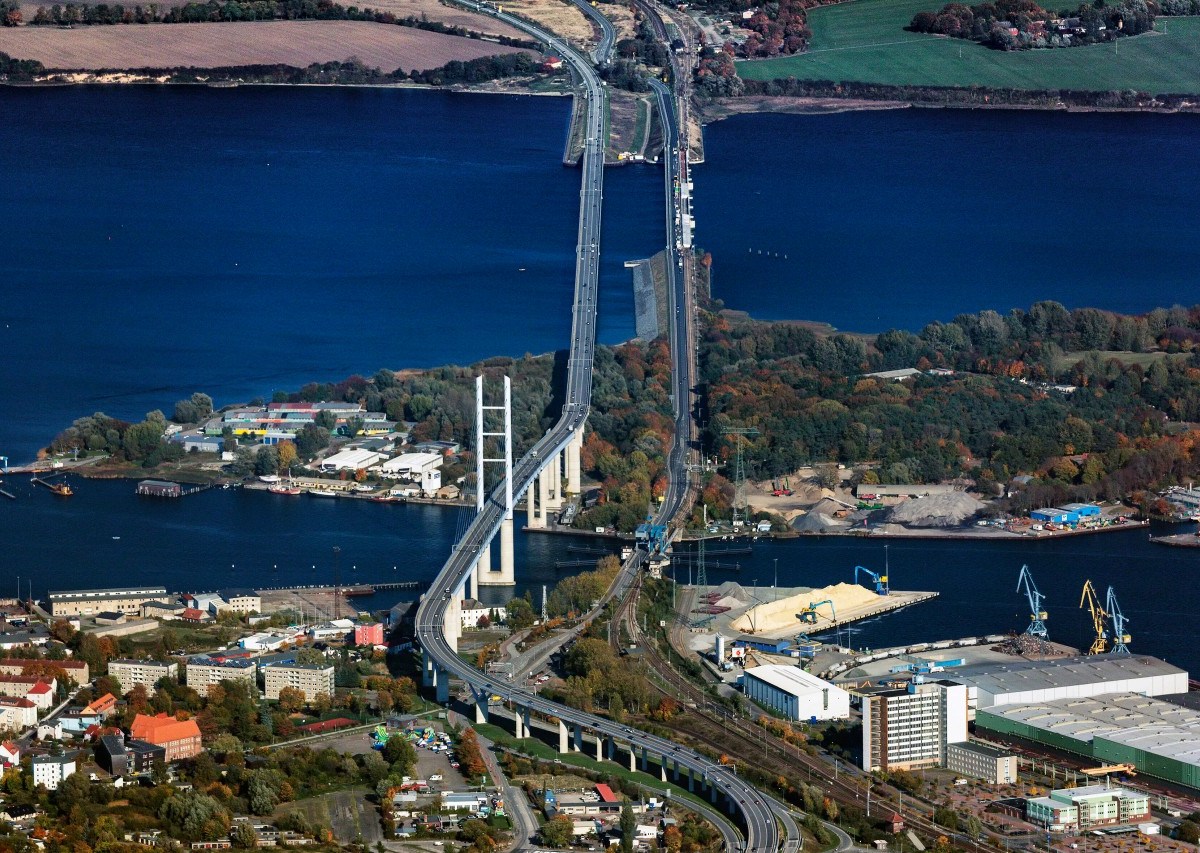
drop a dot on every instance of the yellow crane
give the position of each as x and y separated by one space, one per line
1091 601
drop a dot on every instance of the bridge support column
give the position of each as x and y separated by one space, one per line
612 749
712 792
441 682
481 707
573 449
505 576
632 759
599 747
676 763
691 780
473 582
427 670
662 770
531 517
644 762
562 737
577 739
518 725
543 485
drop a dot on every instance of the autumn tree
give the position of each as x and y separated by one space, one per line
287 455
291 699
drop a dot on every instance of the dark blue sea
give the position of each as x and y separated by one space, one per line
238 241
893 219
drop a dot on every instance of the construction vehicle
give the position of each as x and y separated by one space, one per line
1091 601
1119 638
1110 769
809 614
881 581
1037 616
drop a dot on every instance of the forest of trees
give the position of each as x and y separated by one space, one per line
1126 427
1023 24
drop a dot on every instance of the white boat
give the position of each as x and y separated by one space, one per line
323 493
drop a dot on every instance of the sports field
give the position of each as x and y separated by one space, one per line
865 40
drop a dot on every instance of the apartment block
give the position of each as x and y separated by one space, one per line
980 761
129 673
910 729
203 672
311 679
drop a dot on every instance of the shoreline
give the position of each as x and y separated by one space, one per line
725 108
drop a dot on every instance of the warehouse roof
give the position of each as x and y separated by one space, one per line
1181 744
790 679
1024 675
1107 715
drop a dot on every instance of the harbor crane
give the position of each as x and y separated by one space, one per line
1037 616
809 614
881 581
1120 638
1091 601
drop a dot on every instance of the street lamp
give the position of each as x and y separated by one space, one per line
776 574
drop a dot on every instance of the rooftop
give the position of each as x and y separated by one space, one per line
1024 675
790 679
68 594
162 728
982 749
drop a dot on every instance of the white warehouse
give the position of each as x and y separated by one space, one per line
794 693
1025 682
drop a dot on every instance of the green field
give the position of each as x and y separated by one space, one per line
865 40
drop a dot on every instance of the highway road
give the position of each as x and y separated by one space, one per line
762 834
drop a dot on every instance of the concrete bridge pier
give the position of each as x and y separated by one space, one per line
543 487
662 770
428 668
712 792
632 759
562 737
507 571
481 707
599 747
573 450
441 684
676 768
473 581
645 761
691 780
531 516
577 739
518 725
611 749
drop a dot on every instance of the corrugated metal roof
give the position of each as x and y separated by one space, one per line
1060 672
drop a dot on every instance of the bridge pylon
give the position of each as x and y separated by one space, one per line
484 575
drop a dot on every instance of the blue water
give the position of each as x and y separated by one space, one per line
107 535
238 241
163 241
896 218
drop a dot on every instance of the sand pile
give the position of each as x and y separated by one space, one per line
778 617
816 522
946 510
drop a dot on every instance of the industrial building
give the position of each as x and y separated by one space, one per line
86 602
1156 737
241 600
794 693
982 761
309 679
1088 807
147 673
203 672
1025 681
912 728
351 460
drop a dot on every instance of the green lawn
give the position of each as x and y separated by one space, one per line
865 40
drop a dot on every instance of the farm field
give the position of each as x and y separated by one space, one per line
865 40
433 10
297 43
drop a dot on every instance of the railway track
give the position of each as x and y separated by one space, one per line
754 746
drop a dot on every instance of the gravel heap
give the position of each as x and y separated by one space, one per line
947 510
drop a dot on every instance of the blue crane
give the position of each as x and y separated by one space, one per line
1120 638
881 581
1037 616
